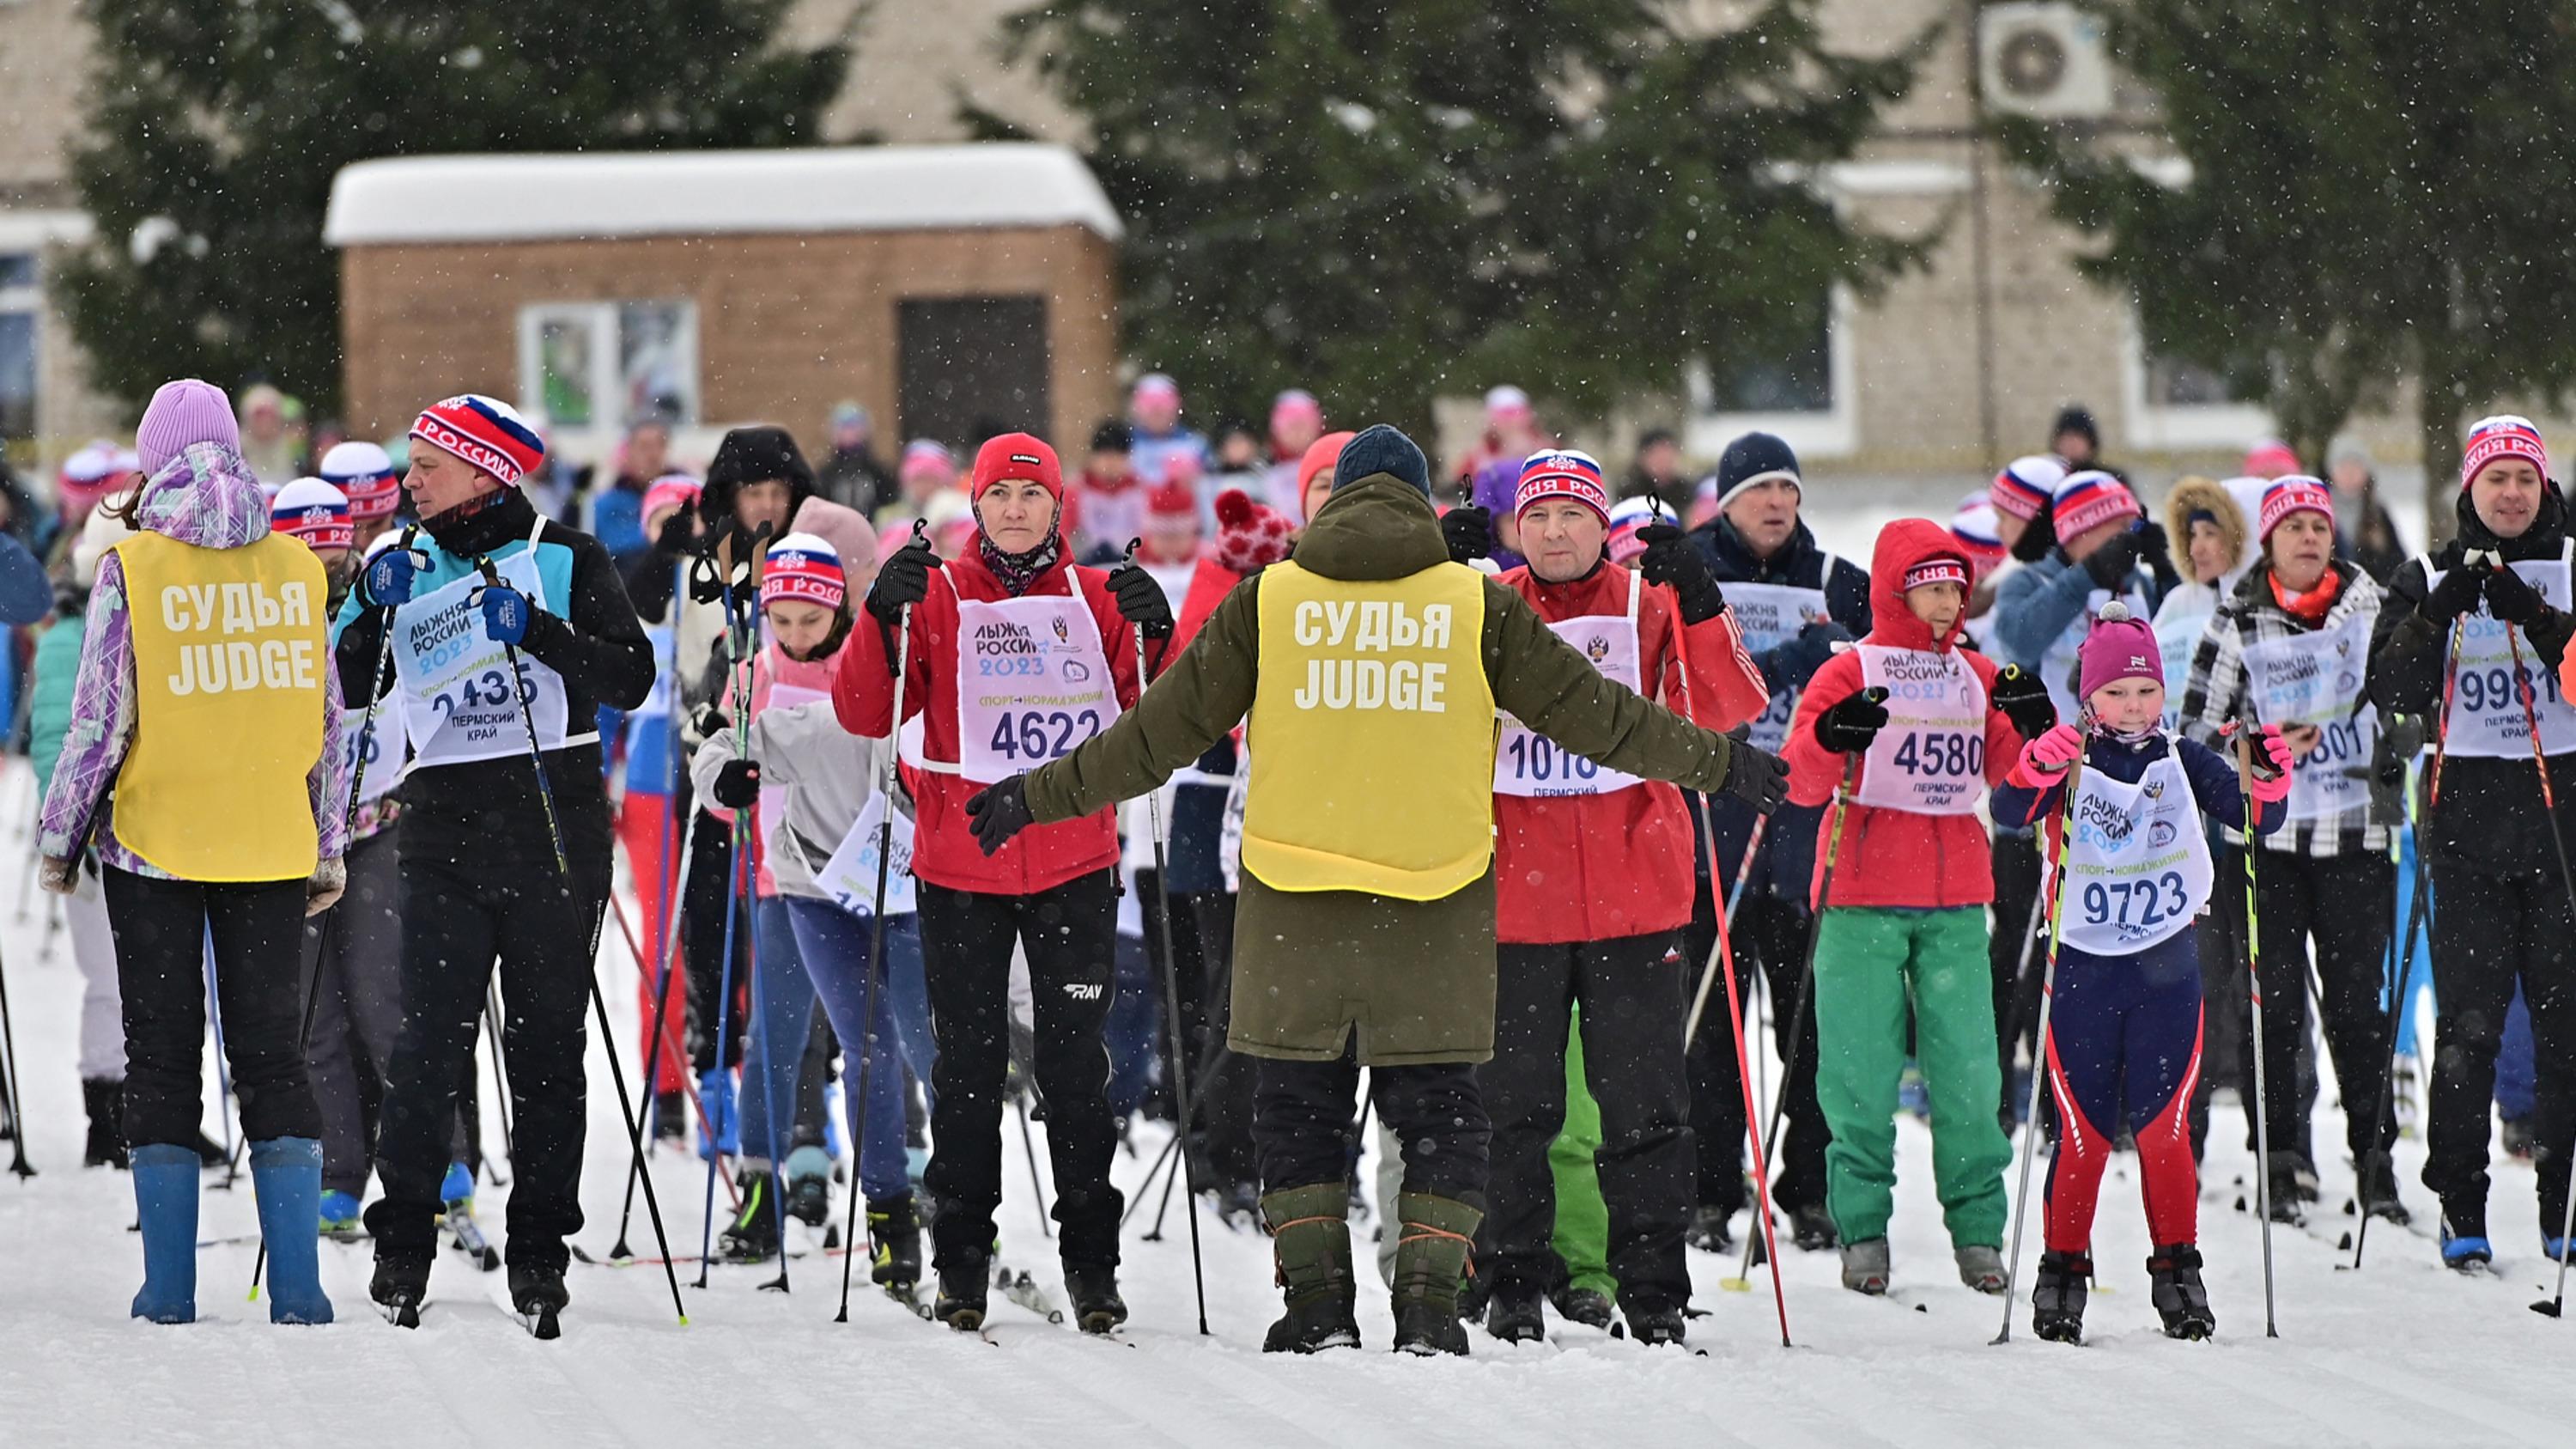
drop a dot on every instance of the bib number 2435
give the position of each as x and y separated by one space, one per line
1034 736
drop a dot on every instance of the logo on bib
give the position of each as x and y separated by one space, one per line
1076 672
2160 835
1062 634
1597 647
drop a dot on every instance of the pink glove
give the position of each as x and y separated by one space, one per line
2277 750
2052 752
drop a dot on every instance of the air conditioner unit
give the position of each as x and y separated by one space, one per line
2045 59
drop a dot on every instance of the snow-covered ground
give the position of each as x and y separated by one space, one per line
2401 1354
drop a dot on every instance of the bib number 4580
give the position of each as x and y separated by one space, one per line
1943 754
1036 735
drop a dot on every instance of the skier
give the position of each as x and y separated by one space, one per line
1903 733
1592 870
1367 844
2445 648
2289 648
2124 1035
226 647
505 840
1793 601
1013 657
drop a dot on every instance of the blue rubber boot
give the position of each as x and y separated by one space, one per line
715 1093
286 1174
457 1187
165 1202
340 1215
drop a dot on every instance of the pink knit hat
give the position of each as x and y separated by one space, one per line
182 413
2120 647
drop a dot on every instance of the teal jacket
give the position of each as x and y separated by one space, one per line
49 704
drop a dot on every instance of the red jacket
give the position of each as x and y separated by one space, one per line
944 852
1598 867
1897 857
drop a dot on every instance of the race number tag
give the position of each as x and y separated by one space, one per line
850 876
1528 764
1032 682
459 700
2315 679
1768 616
1931 757
383 747
2138 867
2487 718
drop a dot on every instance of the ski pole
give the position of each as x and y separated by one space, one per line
2450 692
1171 990
658 976
17 1100
528 721
1029 1144
626 1110
886 785
500 1071
734 891
2254 1003
2401 976
2055 893
1722 957
2558 839
1734 895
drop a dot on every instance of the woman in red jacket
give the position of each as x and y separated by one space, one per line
1593 878
1016 656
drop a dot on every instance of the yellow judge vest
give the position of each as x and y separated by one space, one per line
229 654
1372 735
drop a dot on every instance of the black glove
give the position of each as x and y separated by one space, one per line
1670 558
712 722
999 813
1848 727
1469 532
1798 660
2024 700
2512 600
2455 595
1141 601
902 581
738 784
2112 563
2401 738
1757 777
678 532
2155 547
707 582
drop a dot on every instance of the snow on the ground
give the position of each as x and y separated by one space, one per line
2401 1354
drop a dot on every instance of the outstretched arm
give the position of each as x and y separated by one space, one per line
1197 699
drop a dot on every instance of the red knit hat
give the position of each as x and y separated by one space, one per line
486 432
2089 499
2294 493
1172 500
804 568
1561 473
1248 535
1321 456
1018 456
2502 436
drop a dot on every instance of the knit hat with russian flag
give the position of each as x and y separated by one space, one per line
484 431
2089 499
1561 473
366 474
2502 436
2294 493
314 512
2025 487
1938 569
1979 533
803 568
1631 516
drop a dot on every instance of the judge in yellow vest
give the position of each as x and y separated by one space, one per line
199 776
1370 667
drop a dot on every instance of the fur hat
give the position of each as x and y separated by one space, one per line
2196 497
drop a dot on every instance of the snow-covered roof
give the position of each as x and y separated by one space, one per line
695 193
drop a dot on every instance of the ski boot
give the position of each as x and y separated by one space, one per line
1310 1243
537 1291
671 1117
2517 1137
753 1235
1238 1205
809 1186
1093 1289
1515 1311
2058 1294
1587 1306
1654 1320
1710 1229
1813 1227
715 1097
1865 1267
962 1289
456 1189
105 1101
2375 1187
2288 1206
2465 1247
894 1238
400 1283
339 1217
1980 1267
2180 1298
1430 1263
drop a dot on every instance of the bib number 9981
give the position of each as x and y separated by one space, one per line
2135 905
1037 735
2497 689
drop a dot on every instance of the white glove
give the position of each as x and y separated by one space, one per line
62 877
323 891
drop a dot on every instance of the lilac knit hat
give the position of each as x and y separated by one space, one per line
2120 647
182 413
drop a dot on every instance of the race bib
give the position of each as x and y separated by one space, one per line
2487 716
1768 616
2316 679
1528 764
383 749
460 701
850 876
1931 757
2137 861
1032 683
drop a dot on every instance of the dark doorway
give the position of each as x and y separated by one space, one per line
970 367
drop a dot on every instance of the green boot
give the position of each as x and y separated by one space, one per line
1430 1263
1310 1232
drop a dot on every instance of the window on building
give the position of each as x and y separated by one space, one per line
1789 375
21 304
970 367
606 365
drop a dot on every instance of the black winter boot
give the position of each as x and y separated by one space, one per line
1093 1287
1430 1264
2179 1297
105 1101
1516 1311
400 1283
894 1237
2057 1296
753 1236
1653 1319
1310 1234
962 1289
2375 1184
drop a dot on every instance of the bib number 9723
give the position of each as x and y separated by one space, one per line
2135 905
1037 735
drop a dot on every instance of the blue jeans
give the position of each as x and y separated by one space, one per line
834 950
911 1000
2517 1082
1134 1033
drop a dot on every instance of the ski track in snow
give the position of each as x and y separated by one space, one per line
2402 1354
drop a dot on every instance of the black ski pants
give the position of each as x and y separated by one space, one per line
2343 903
1068 932
2491 930
1633 1000
1770 933
1303 1122
161 929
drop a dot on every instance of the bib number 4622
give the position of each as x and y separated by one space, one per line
1035 735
